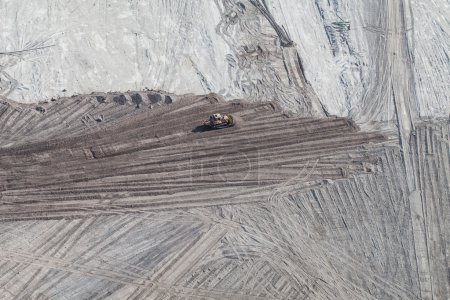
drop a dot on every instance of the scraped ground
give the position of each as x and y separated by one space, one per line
125 196
114 156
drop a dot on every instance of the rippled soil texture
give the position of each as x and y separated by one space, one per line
127 196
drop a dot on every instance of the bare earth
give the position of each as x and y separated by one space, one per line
333 184
124 195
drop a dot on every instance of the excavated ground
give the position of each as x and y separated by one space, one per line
161 158
125 196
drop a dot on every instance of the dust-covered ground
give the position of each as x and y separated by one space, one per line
128 196
349 50
333 184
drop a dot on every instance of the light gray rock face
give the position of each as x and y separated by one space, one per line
346 48
347 51
85 46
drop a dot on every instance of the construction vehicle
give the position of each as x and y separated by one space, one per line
217 121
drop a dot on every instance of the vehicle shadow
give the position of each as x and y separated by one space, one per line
201 128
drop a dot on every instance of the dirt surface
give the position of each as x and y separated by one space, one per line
161 158
123 195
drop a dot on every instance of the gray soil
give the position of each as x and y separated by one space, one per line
333 184
126 195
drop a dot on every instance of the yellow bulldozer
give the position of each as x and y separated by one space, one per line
217 121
